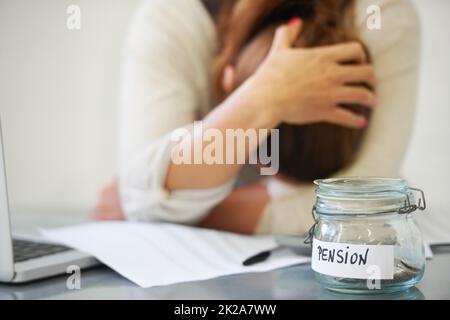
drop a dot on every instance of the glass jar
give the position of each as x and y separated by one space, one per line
364 239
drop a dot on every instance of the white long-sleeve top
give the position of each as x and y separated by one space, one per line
167 85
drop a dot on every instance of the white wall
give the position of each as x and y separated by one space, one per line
59 89
58 98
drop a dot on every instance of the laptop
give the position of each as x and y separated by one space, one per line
23 260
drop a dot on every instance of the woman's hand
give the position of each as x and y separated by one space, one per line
108 206
307 85
297 86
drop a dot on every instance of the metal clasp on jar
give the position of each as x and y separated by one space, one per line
409 208
310 236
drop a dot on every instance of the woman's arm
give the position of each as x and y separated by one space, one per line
275 94
396 57
169 48
165 77
165 88
240 212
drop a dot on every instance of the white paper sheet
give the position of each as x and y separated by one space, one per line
163 254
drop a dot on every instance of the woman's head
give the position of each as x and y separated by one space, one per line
246 30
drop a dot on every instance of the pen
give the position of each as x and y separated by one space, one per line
293 243
260 257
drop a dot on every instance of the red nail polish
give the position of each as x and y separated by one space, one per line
363 123
294 21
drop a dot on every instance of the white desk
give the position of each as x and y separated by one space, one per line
290 283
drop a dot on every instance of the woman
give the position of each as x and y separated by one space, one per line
167 85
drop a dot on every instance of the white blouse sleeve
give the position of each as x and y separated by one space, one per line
395 51
166 86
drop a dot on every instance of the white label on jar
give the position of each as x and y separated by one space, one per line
353 260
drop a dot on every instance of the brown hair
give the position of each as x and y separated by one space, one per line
307 152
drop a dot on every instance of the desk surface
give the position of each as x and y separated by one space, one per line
295 282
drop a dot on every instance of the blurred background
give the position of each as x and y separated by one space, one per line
59 92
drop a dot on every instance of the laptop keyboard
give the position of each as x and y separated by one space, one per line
25 250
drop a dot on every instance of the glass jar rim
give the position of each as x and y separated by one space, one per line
362 185
362 195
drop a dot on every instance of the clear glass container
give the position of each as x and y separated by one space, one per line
369 215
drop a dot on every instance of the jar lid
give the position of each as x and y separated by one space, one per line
365 195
